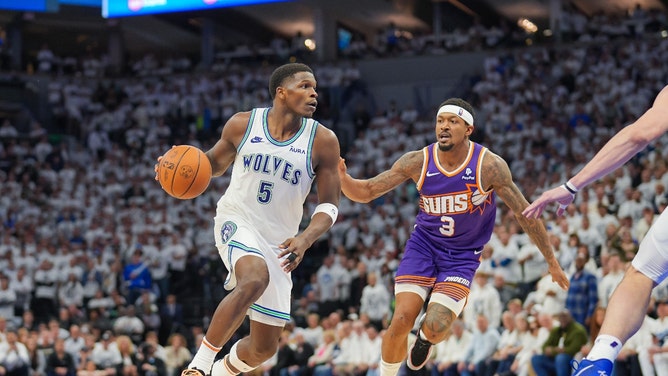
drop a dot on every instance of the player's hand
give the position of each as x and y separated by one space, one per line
155 167
343 169
559 277
292 254
558 194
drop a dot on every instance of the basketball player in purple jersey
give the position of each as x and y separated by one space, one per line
457 180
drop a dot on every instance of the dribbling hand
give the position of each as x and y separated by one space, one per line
155 166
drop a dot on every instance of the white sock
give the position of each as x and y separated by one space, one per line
389 369
605 347
205 356
221 368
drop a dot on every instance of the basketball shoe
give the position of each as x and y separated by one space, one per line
193 372
600 367
419 353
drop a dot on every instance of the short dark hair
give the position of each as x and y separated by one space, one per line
284 71
461 103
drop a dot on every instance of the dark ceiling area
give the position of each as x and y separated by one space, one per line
78 30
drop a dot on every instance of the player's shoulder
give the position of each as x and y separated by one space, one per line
662 97
491 158
237 124
241 117
325 138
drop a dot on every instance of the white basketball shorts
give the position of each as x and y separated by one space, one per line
652 257
236 239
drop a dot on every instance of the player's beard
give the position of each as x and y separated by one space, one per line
445 147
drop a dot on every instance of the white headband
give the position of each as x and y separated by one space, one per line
452 109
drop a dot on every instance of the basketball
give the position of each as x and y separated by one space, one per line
478 198
184 172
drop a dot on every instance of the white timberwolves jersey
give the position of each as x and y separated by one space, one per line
270 179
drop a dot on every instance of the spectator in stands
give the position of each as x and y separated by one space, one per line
14 357
177 354
7 298
75 342
582 296
303 351
137 276
106 355
507 347
329 275
375 302
285 356
149 363
322 354
615 272
451 352
44 304
484 300
60 362
560 347
37 357
482 346
171 316
129 359
129 324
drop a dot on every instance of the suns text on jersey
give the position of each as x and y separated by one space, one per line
272 165
447 204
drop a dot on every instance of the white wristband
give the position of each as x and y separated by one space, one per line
570 187
330 209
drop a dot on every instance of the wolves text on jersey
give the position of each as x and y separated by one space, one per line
272 165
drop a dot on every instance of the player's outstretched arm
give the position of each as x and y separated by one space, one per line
496 174
617 151
326 154
408 166
222 154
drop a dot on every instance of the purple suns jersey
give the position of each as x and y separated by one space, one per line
455 211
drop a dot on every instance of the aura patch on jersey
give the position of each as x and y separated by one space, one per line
272 165
227 230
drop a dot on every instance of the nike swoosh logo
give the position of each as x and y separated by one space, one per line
477 252
584 369
432 173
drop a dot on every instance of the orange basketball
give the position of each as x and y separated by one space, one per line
184 172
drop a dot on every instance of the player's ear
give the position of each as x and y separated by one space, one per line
280 92
469 129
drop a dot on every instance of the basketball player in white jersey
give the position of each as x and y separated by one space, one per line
628 304
276 153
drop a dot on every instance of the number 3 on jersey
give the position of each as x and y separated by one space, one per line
448 226
264 192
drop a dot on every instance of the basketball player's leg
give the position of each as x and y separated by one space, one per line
634 291
413 282
395 341
649 267
252 279
455 272
251 351
437 322
268 315
248 278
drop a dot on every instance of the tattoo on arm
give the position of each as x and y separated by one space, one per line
407 166
497 174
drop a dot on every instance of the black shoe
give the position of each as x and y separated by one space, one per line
419 353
